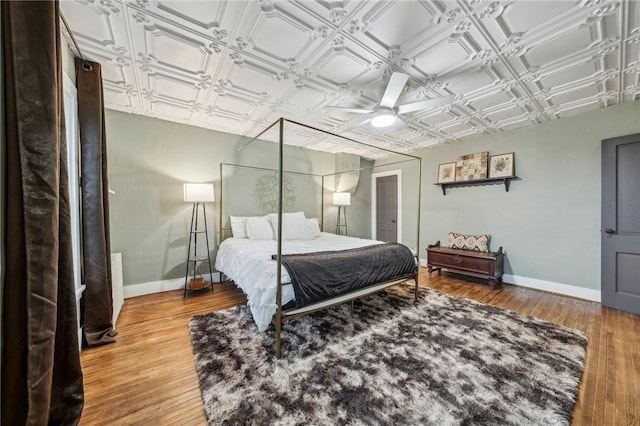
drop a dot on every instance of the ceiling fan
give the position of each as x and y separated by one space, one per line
386 113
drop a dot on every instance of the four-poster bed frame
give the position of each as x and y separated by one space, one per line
282 314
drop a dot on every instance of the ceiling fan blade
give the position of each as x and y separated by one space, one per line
359 122
354 110
394 89
399 124
355 123
429 103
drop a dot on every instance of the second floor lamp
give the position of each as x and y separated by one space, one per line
342 200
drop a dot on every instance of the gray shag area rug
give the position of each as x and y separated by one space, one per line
442 360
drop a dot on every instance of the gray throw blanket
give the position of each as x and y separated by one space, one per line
319 276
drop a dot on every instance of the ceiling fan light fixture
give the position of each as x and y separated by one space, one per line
388 113
383 119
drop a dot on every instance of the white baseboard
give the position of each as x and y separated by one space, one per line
553 287
550 286
141 289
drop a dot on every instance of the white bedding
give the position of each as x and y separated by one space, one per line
248 263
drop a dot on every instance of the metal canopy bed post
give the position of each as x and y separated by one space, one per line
282 314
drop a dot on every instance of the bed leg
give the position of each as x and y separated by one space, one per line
278 328
416 288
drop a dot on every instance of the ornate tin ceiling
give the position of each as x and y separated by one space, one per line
238 66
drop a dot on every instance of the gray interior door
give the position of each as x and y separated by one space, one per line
621 223
387 208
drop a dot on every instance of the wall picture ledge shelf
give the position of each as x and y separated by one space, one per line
479 182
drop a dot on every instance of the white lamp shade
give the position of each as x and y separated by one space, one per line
198 193
341 198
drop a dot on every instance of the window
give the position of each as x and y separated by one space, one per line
71 127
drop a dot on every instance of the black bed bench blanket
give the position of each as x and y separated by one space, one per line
318 276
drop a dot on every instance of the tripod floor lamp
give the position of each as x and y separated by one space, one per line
342 200
198 194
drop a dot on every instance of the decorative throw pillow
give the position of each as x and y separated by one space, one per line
259 228
314 227
294 226
469 242
238 226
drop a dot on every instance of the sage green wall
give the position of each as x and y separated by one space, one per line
359 212
150 159
549 221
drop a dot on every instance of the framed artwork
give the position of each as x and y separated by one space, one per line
502 165
472 166
446 172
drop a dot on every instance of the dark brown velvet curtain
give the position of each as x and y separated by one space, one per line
96 247
41 375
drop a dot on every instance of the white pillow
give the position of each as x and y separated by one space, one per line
314 227
238 226
259 228
294 226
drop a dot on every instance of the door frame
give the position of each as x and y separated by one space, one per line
374 213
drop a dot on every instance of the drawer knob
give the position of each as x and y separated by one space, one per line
457 259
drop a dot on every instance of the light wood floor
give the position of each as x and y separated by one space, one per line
148 376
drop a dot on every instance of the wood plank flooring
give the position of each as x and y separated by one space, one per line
148 376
